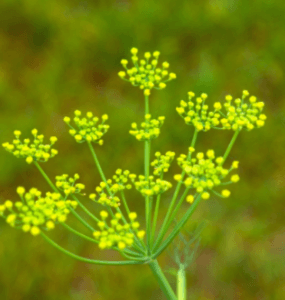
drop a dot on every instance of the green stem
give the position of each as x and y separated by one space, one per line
177 208
172 203
125 202
138 245
228 150
56 190
146 173
101 173
46 177
79 203
147 221
146 102
128 212
177 228
86 237
163 283
108 188
110 211
194 139
155 217
85 209
181 283
148 202
81 220
87 260
146 158
141 259
98 165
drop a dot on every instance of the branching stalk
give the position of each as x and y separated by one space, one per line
178 227
181 283
163 283
229 148
138 243
172 203
88 260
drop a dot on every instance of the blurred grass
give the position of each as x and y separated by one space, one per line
58 56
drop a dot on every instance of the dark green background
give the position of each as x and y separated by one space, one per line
57 56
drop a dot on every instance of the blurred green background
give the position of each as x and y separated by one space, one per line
58 56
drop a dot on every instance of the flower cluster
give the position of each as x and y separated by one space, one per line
69 185
197 113
150 128
107 191
88 128
121 179
240 114
117 234
34 150
233 115
205 172
162 162
150 186
145 72
36 211
104 198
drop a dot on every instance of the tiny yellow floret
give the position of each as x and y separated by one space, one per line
200 155
141 234
132 216
165 65
121 245
190 199
77 113
134 51
122 74
226 193
162 85
147 92
17 133
147 55
11 219
78 137
177 177
124 62
191 149
217 105
66 119
50 225
188 181
205 195
20 190
29 159
53 139
35 230
235 164
26 227
211 153
219 160
8 204
156 53
235 178
103 214
260 123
